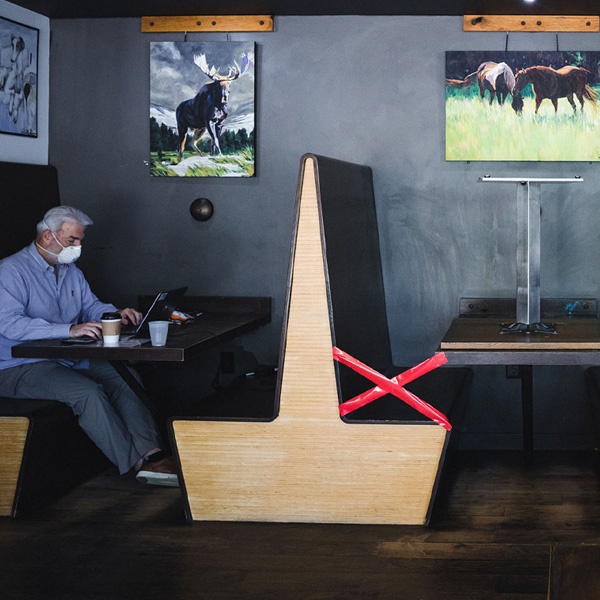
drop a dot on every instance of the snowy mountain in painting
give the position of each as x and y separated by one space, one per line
231 123
164 115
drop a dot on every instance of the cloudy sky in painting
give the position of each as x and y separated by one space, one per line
174 77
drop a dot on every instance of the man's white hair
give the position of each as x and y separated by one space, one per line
56 216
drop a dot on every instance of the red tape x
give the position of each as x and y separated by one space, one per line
392 386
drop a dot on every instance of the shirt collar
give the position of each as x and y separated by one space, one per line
37 257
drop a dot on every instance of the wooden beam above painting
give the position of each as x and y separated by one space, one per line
205 23
513 23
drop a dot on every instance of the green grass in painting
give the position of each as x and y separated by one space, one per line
205 172
478 131
243 161
158 169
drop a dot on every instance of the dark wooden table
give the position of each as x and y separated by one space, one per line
475 340
478 341
223 318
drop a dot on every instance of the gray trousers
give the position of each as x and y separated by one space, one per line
111 414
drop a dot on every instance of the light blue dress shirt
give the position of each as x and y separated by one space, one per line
34 305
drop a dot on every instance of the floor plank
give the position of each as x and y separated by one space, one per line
494 524
575 572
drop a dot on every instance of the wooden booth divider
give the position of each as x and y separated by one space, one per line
13 433
307 464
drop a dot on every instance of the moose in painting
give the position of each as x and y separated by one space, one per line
207 110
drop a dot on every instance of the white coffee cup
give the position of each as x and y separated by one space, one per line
158 332
111 328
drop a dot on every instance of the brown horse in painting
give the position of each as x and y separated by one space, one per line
553 84
497 78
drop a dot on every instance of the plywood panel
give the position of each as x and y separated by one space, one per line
307 465
13 432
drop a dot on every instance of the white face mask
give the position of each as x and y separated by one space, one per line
67 255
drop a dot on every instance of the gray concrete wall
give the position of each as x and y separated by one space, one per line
364 89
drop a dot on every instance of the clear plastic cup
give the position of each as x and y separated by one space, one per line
158 332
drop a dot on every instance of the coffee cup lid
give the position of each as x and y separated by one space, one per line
111 316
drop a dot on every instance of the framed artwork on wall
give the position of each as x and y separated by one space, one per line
19 47
523 106
202 109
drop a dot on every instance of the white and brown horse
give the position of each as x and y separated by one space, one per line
496 78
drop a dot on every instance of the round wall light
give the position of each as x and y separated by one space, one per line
201 209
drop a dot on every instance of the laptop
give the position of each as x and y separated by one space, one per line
160 310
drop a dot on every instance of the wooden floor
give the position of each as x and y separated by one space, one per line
490 537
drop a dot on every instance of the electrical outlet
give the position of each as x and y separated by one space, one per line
513 371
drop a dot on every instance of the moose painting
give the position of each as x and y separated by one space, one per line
523 106
202 109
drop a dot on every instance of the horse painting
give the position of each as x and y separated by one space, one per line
497 78
522 125
553 84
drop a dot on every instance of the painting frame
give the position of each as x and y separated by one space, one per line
19 63
202 109
522 106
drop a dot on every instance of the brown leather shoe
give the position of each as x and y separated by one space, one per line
159 472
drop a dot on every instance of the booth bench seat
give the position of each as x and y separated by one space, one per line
45 454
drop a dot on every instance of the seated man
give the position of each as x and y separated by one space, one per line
43 295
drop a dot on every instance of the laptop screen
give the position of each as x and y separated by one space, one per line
160 310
